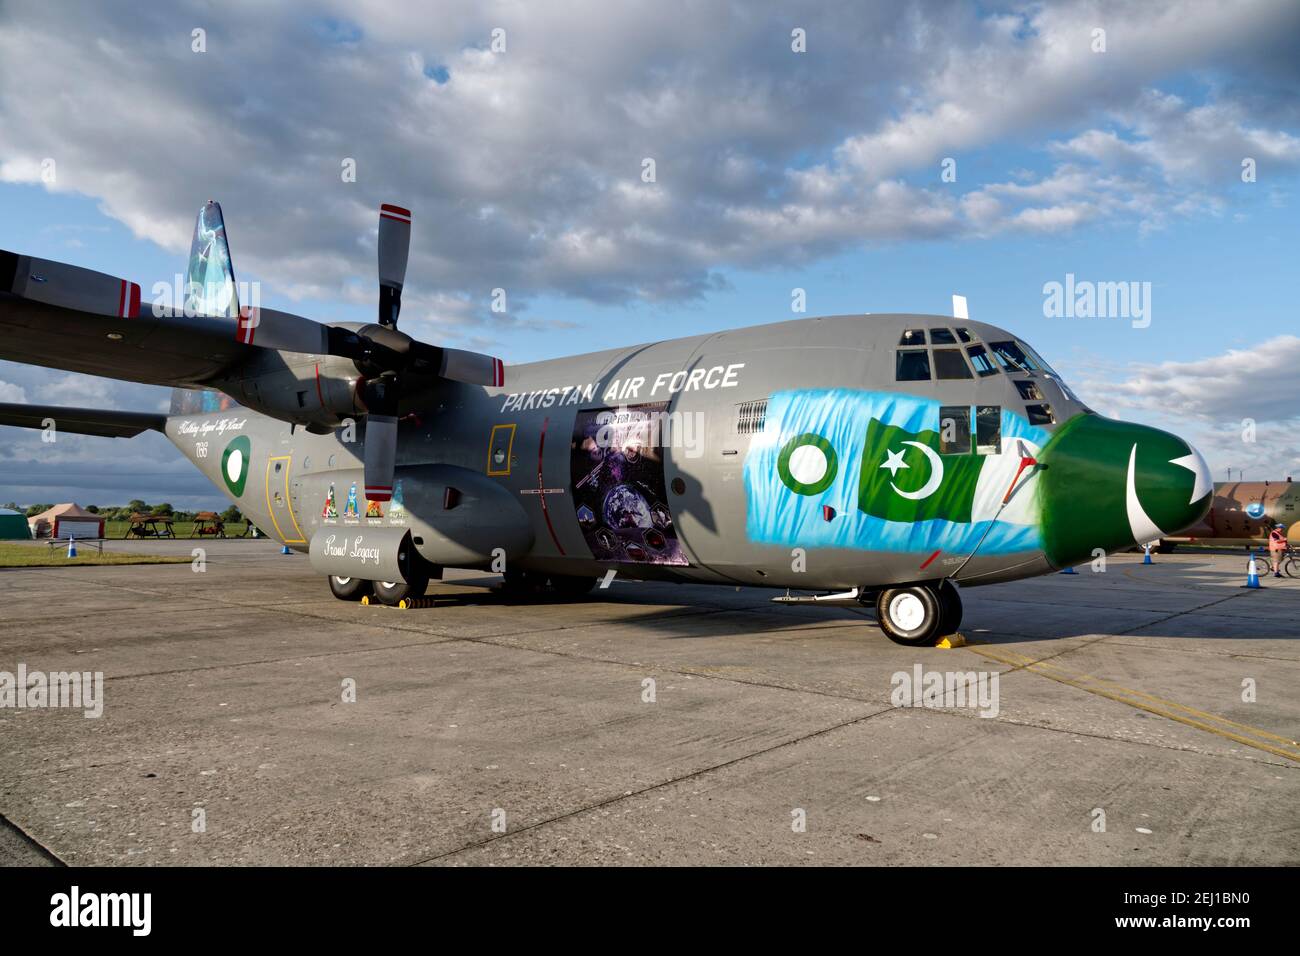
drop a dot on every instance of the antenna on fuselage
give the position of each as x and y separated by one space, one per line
959 307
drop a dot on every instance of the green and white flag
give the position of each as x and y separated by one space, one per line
904 478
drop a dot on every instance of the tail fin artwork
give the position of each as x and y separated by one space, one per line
210 281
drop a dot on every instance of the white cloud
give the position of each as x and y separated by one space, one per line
523 168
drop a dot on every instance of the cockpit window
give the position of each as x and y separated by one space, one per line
913 365
1011 355
913 337
949 364
1038 360
980 359
942 337
1041 414
964 335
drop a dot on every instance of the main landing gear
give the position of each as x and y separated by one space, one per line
391 593
918 615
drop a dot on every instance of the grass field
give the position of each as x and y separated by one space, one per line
183 529
38 554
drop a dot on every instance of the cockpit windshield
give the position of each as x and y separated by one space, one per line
1012 357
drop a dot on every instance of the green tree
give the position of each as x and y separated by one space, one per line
231 515
33 510
135 504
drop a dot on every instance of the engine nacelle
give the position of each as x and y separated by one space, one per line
320 391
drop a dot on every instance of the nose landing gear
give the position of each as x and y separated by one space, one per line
918 615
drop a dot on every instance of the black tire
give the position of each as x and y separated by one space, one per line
348 589
393 593
572 585
520 585
910 615
950 608
1291 565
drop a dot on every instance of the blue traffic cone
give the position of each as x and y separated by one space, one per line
1252 572
285 550
1068 571
72 545
1146 554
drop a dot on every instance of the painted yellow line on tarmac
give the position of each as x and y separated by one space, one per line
1201 720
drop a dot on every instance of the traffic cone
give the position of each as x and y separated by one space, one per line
1068 571
72 545
1146 554
1252 573
285 550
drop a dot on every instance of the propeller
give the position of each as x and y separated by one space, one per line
385 357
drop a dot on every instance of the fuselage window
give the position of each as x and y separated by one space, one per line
1010 355
942 337
954 429
980 359
913 366
1040 414
988 429
913 337
964 335
1029 391
949 364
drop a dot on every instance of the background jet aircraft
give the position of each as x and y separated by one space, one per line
884 458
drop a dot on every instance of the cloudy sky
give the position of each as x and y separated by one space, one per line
904 154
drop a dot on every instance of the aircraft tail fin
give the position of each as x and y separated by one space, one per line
210 281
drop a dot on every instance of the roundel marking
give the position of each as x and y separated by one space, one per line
807 464
234 464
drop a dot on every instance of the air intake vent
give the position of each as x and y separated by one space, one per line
750 417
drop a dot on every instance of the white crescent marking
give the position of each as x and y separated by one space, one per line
936 474
235 464
1143 528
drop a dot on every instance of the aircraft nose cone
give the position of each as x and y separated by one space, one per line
1108 484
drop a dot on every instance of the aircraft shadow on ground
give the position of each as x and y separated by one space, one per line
701 612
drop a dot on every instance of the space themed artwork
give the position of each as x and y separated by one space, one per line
617 480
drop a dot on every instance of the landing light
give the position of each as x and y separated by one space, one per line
115 336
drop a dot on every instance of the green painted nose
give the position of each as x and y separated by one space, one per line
1109 484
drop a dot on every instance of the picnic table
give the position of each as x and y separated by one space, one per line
150 526
208 524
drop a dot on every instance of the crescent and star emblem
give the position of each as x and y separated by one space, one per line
894 462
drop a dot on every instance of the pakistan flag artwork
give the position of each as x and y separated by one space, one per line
875 459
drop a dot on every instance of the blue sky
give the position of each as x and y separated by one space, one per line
775 170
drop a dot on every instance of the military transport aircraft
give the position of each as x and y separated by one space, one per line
884 459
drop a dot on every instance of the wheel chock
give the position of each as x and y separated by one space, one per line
365 600
407 603
951 641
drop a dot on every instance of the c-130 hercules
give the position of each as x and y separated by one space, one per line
882 458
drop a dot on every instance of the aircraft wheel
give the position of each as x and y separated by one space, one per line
572 585
393 593
912 615
348 589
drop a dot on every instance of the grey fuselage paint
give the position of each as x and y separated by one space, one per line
522 505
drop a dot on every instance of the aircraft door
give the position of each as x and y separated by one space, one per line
281 499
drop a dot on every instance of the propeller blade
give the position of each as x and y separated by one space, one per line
381 455
70 287
394 249
472 368
273 329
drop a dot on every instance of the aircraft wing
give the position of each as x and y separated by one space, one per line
81 421
67 317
